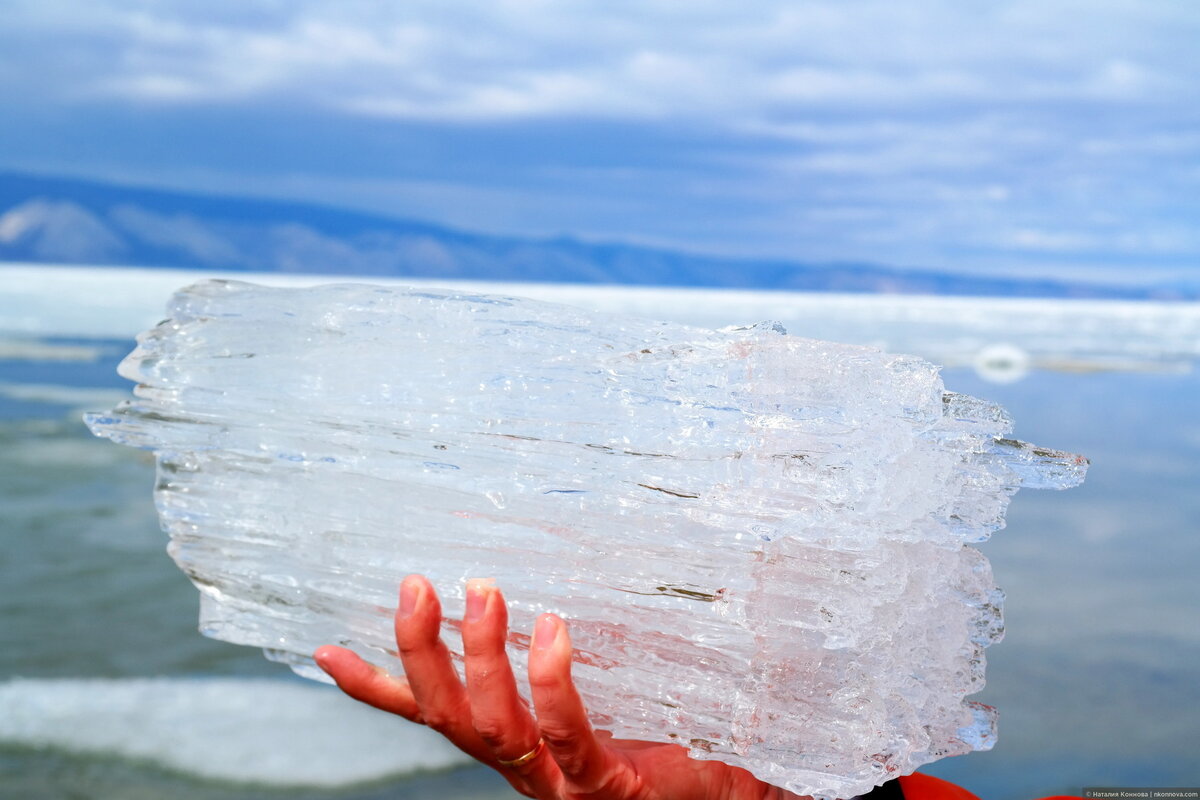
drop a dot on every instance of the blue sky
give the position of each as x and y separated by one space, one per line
1028 137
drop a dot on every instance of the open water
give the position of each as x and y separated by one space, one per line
107 691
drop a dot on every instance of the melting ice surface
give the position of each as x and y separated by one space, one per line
761 542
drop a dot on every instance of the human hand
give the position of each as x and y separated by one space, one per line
549 754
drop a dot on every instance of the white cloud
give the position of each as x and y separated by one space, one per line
772 61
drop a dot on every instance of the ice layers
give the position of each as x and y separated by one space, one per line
760 542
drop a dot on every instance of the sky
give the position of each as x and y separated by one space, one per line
1032 137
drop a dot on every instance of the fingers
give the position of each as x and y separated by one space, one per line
443 700
486 717
436 688
498 714
432 694
367 682
586 764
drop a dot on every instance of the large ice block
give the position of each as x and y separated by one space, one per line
760 542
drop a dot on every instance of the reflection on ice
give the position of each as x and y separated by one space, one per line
1002 363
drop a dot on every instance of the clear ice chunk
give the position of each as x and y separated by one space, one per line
760 542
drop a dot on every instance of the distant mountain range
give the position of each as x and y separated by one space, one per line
63 220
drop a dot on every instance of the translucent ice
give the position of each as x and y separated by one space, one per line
760 542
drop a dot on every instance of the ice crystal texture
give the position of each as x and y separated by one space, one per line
760 542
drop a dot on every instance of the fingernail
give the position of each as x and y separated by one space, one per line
319 658
545 632
477 597
410 591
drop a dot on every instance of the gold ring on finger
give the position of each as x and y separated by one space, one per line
525 759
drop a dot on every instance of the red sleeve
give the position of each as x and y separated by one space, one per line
927 787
